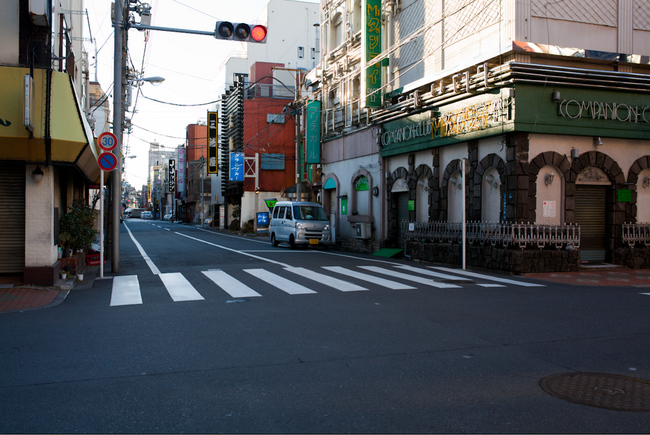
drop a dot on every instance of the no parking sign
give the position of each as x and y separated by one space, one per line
107 161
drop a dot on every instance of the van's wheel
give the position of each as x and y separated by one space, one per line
292 242
274 242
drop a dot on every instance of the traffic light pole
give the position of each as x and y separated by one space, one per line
121 27
171 29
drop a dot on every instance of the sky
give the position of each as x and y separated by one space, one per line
189 63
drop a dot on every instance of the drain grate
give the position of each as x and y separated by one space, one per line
618 393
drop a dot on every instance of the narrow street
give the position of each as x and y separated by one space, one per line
208 332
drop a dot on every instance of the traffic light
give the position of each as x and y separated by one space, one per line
240 32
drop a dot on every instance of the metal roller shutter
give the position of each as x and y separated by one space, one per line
591 212
12 218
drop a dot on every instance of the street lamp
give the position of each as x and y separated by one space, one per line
156 80
134 81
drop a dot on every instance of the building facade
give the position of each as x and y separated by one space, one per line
525 120
48 156
292 48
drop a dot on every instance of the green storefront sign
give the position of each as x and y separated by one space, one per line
312 132
580 112
372 50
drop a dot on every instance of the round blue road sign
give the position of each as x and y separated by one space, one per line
107 161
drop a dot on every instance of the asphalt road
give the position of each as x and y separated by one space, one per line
307 355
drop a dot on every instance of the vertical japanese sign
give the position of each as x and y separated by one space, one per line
372 49
236 166
171 177
313 132
212 142
180 171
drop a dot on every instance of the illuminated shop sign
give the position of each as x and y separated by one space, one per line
575 109
468 119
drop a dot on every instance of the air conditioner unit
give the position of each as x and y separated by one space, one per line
363 231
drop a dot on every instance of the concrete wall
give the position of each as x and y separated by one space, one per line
40 250
10 24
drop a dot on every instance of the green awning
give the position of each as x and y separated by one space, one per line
330 184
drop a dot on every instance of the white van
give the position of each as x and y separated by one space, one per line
300 223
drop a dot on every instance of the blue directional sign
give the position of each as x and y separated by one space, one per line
236 166
263 219
107 161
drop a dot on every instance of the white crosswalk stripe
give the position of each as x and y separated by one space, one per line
430 273
446 276
126 289
327 280
370 278
230 285
179 288
418 279
280 282
488 278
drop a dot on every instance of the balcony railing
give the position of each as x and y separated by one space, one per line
636 234
504 234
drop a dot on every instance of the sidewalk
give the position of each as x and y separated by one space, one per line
586 277
17 297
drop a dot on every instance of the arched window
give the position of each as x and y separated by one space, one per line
491 196
455 198
643 189
336 30
550 196
361 190
422 200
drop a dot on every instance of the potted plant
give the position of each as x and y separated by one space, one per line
76 233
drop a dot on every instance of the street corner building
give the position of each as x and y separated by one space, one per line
48 156
527 121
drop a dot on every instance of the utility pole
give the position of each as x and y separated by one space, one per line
297 98
202 195
116 175
254 34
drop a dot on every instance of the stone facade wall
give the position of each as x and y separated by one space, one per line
638 258
515 261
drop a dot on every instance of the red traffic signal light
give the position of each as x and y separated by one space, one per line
240 32
258 34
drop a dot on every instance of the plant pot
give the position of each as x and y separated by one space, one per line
64 275
80 276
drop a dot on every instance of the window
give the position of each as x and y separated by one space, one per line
273 118
272 162
313 53
309 213
336 30
361 189
301 52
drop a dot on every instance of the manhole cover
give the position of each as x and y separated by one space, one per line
618 393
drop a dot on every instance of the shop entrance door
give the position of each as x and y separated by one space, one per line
402 215
591 215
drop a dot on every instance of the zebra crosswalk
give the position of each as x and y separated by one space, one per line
302 281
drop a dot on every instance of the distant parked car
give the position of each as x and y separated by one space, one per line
167 217
146 215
